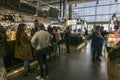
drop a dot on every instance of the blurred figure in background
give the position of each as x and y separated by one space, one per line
57 35
53 41
35 29
96 44
23 47
3 47
85 35
103 32
67 36
86 32
59 29
49 28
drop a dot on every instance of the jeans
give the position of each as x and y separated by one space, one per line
96 53
26 65
54 45
42 60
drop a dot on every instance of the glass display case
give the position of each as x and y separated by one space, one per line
113 39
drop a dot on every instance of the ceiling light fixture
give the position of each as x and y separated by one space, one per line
116 0
97 2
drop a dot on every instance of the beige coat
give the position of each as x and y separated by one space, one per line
23 51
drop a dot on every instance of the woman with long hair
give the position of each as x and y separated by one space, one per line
23 47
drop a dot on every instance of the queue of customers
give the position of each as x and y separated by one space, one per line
38 45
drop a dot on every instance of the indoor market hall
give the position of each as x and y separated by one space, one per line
59 39
76 66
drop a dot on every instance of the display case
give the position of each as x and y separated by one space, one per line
113 39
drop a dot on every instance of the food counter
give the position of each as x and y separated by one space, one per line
114 64
76 40
113 39
10 61
113 42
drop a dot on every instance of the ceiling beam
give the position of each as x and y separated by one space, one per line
53 2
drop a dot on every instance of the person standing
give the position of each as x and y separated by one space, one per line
53 41
96 46
3 48
86 35
86 32
67 36
35 29
41 42
23 47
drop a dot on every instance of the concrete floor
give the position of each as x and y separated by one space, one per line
76 66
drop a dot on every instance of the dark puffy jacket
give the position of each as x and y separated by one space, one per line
95 40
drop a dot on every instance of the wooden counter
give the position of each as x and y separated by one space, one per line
10 61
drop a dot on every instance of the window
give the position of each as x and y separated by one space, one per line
89 11
87 4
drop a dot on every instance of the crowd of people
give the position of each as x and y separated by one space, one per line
42 41
35 46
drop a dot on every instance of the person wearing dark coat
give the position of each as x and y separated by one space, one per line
96 44
35 29
3 46
67 39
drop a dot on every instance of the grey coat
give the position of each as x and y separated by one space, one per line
3 43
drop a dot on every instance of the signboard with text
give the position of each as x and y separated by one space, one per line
71 22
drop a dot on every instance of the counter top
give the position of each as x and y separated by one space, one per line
11 39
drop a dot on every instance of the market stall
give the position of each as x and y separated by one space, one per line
113 49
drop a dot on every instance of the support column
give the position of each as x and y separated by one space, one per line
70 11
37 7
95 14
60 8
64 8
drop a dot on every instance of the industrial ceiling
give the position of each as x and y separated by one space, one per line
51 2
